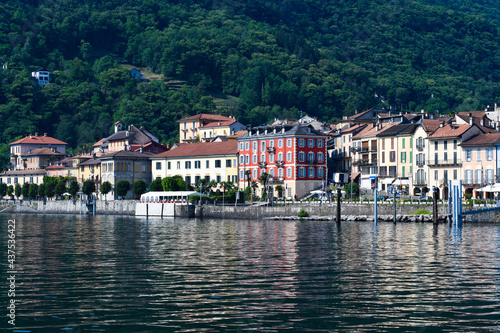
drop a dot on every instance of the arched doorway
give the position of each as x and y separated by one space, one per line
417 191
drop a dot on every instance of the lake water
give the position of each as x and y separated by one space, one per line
122 274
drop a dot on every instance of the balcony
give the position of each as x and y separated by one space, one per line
276 181
420 147
365 162
271 150
280 164
262 164
444 162
420 163
419 182
356 148
365 149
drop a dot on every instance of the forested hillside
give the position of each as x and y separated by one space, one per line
262 59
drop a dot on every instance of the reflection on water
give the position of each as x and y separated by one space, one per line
120 274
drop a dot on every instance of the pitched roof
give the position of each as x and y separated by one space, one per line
219 123
134 136
42 151
24 172
41 140
430 125
127 154
351 129
99 143
204 116
449 130
201 149
483 140
92 161
373 131
282 130
237 134
393 130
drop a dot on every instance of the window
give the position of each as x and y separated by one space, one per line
411 142
228 163
254 173
289 143
197 179
247 159
321 143
194 124
301 142
383 157
445 175
311 173
288 172
383 144
445 143
168 165
468 176
242 174
392 143
217 163
320 157
185 126
242 159
321 173
302 172
436 174
263 158
403 157
489 176
271 158
411 157
241 146
218 179
271 143
289 156
310 157
310 143
455 144
207 178
280 143
280 173
392 156
207 164
478 154
247 145
271 172
254 158
478 177
178 165
455 174
489 154
188 179
445 156
263 146
187 164
403 172
254 146
468 155
436 145
280 157
302 156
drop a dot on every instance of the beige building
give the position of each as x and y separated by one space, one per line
125 165
33 151
419 186
212 161
207 126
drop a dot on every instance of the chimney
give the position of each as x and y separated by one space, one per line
127 133
44 134
36 133
31 136
471 120
141 149
441 124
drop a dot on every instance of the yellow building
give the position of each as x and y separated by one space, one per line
205 127
212 161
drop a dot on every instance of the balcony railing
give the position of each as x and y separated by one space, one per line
262 164
355 148
365 149
365 162
276 181
280 164
271 149
444 162
420 147
420 163
387 174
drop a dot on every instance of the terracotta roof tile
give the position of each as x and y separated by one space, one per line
204 116
201 149
43 140
219 123
482 140
430 125
449 131
42 151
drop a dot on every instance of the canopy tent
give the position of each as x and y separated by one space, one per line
489 188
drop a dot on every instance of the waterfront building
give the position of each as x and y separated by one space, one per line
445 155
34 151
207 126
342 152
419 184
480 164
63 168
20 177
125 165
366 157
293 156
194 161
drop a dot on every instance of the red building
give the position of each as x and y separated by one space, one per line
293 155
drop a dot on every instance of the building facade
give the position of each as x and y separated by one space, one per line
28 144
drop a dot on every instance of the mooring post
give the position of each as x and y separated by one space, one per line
395 217
434 205
450 201
375 217
338 205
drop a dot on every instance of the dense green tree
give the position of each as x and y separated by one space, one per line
41 190
60 188
50 189
25 190
122 188
17 190
3 190
156 185
73 189
33 191
139 187
175 183
10 190
88 187
105 188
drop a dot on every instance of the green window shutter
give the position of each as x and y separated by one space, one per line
411 142
403 142
403 171
411 156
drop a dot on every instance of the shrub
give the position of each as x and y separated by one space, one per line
421 211
303 213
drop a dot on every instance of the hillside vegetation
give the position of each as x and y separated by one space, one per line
326 58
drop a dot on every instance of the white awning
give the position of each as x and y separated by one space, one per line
402 182
387 180
489 188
